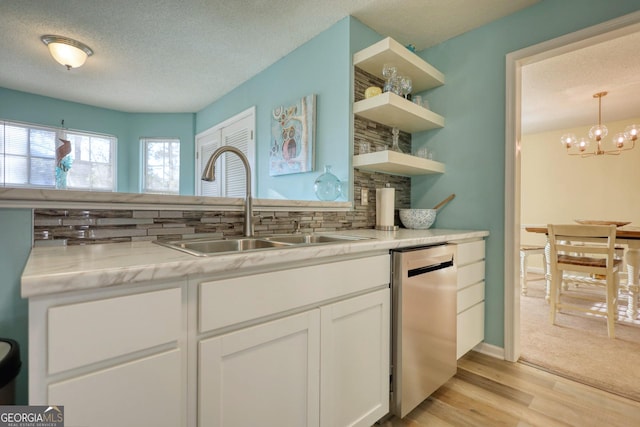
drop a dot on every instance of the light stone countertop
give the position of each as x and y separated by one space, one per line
51 270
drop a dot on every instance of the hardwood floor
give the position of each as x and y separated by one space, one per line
490 392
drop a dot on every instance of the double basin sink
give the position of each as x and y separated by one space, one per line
209 246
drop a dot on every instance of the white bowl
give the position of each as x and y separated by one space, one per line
417 219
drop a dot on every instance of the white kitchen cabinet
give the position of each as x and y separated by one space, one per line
355 360
470 258
243 348
263 375
110 356
145 392
265 351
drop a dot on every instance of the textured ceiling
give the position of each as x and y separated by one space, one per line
181 55
557 93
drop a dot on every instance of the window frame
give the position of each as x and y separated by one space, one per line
59 133
143 175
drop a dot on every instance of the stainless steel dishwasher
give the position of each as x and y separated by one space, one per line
423 346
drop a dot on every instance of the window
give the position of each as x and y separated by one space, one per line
28 157
161 165
238 131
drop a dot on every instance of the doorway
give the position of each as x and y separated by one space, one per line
515 62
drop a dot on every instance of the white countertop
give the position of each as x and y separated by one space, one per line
51 270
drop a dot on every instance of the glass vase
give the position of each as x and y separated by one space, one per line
327 186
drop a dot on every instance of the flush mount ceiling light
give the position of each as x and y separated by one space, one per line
68 52
622 141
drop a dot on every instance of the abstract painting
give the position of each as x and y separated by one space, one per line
292 137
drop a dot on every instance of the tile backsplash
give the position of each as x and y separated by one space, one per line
78 227
81 227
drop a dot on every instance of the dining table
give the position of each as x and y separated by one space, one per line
625 235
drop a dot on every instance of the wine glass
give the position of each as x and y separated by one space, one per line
405 85
388 71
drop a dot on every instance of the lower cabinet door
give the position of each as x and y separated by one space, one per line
145 392
266 375
355 360
470 328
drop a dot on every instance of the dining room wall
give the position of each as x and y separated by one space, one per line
558 188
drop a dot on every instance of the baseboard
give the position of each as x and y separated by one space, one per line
490 350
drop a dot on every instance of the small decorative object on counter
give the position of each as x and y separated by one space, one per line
417 219
411 47
372 91
327 186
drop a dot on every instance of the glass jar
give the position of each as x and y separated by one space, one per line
327 186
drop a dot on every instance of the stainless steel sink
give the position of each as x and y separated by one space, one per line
311 239
205 247
208 246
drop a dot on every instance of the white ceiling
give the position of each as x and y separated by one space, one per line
182 55
557 93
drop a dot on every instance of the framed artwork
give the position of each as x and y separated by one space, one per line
293 137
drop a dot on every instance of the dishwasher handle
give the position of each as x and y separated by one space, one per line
429 268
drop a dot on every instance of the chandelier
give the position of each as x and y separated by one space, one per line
622 141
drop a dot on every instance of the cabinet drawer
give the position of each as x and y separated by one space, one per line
145 392
470 274
470 295
230 301
470 252
88 332
470 329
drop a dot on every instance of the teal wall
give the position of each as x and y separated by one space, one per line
127 127
322 67
15 231
472 143
172 125
15 224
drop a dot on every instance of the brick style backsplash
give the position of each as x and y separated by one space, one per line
83 227
379 138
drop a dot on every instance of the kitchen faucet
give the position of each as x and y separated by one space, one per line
209 175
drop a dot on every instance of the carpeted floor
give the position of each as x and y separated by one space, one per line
577 347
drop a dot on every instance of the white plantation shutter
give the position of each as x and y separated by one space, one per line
237 132
206 147
235 176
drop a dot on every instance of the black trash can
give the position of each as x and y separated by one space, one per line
9 368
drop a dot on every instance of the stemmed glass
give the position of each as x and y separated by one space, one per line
390 72
405 85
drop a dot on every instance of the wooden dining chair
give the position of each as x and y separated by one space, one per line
584 254
525 252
